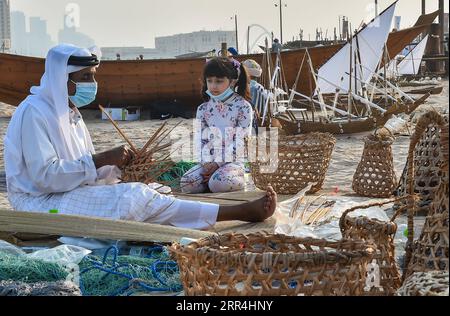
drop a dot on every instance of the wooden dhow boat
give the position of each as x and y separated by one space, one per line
342 102
345 125
142 82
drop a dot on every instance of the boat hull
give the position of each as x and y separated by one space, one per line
143 82
359 125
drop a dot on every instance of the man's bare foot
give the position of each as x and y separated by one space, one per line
263 208
256 211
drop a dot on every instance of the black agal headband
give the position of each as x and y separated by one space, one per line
83 61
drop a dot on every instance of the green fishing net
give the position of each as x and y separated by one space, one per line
173 176
23 269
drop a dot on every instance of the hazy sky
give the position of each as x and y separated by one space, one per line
137 22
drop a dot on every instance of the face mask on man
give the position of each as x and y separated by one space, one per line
85 93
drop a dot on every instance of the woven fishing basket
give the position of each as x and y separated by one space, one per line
145 169
381 234
428 157
263 264
433 283
299 161
430 251
375 175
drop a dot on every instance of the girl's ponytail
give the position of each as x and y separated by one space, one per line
243 83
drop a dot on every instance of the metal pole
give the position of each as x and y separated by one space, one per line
248 39
281 23
236 24
423 7
376 8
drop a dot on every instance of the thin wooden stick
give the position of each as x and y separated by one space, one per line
320 212
156 149
152 138
309 205
119 130
159 134
295 207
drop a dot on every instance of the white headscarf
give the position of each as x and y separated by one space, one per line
51 98
253 68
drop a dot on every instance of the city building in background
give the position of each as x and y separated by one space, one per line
201 41
38 38
19 35
127 53
5 26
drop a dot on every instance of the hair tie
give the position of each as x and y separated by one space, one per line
236 65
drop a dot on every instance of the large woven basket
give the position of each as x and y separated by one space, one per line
264 264
428 157
381 234
299 161
433 283
375 175
430 251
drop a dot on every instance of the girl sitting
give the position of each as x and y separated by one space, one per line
225 120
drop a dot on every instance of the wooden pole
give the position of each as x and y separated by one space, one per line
223 50
441 26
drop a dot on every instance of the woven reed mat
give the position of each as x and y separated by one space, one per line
428 157
430 251
375 175
83 226
263 264
432 283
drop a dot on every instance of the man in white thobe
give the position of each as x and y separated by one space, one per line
50 161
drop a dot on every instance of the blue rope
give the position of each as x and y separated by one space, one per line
166 265
152 250
156 268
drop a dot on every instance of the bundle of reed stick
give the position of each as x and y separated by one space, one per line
152 160
311 210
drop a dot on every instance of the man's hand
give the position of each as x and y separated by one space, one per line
209 168
119 157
